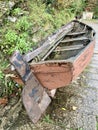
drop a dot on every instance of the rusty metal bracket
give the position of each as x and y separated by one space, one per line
34 97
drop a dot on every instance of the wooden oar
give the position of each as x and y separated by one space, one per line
34 97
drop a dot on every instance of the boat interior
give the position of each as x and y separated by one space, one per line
71 44
64 44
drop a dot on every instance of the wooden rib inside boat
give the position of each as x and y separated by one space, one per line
62 56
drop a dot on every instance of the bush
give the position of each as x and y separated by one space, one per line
96 10
78 6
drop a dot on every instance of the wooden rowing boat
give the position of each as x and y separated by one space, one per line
63 55
58 61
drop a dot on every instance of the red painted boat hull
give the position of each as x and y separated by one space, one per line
54 75
83 59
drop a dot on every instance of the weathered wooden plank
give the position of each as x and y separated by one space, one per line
49 52
75 39
67 48
76 33
23 69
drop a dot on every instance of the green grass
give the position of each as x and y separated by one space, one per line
48 119
97 126
77 129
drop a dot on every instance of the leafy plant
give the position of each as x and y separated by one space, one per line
1 75
77 6
10 86
59 20
23 24
9 41
76 129
22 45
47 119
16 11
1 83
97 125
96 10
14 42
11 36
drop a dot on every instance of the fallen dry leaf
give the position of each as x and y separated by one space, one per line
3 101
74 108
63 108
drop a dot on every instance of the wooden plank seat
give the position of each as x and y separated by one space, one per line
75 39
76 33
67 48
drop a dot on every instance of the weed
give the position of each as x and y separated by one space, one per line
77 6
47 119
24 35
97 125
9 86
14 42
1 75
11 36
76 129
22 45
9 41
16 11
6 85
96 10
23 24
